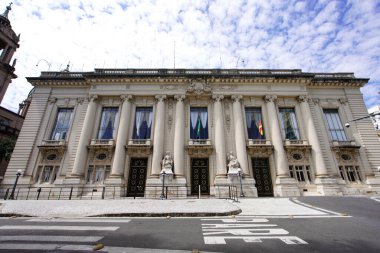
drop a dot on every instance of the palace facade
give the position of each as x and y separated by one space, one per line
281 132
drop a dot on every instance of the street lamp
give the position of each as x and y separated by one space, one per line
369 115
163 173
240 175
18 174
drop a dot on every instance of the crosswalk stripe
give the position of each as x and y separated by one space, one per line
82 228
80 220
50 238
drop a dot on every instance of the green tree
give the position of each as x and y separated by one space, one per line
6 148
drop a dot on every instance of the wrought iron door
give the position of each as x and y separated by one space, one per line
137 177
261 173
199 176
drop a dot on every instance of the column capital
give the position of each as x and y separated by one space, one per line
217 97
126 97
179 98
52 100
160 98
236 98
303 98
343 101
270 98
92 97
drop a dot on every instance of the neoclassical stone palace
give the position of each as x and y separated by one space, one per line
281 132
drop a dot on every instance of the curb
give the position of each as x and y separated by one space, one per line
167 214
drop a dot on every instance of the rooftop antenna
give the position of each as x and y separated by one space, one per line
220 57
48 63
174 53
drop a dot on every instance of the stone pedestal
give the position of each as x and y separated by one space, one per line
287 187
175 186
222 183
115 181
328 186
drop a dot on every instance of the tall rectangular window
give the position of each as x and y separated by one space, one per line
254 121
107 127
289 124
143 123
62 124
198 123
334 125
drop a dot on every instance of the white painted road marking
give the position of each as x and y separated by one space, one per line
222 239
316 208
248 229
50 238
376 199
80 220
82 228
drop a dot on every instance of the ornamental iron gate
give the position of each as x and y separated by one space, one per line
137 177
261 173
199 176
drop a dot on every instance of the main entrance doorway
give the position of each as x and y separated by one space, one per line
199 176
261 173
137 177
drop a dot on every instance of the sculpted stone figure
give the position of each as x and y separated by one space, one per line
167 163
233 163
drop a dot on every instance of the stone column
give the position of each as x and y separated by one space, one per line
159 132
85 138
220 144
275 132
122 136
179 136
311 133
240 140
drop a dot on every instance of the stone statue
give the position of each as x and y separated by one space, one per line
167 164
233 163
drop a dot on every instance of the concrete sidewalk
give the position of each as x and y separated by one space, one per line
152 207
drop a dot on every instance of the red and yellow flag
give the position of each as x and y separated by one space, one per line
261 130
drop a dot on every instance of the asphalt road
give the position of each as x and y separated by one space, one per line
353 226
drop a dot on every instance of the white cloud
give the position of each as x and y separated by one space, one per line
323 36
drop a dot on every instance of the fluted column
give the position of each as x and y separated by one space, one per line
220 144
316 151
121 139
275 131
159 132
179 136
84 139
240 141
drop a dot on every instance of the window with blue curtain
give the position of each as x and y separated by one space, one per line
143 123
107 123
62 124
289 124
255 128
334 125
198 123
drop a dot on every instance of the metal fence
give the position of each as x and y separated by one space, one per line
111 192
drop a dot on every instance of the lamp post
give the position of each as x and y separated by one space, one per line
369 115
163 185
240 175
18 174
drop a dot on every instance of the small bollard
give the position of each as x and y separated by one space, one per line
38 192
6 194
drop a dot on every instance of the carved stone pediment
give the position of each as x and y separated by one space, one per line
199 86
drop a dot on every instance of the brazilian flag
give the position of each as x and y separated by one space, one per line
199 128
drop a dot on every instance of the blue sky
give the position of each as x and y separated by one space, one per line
315 36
